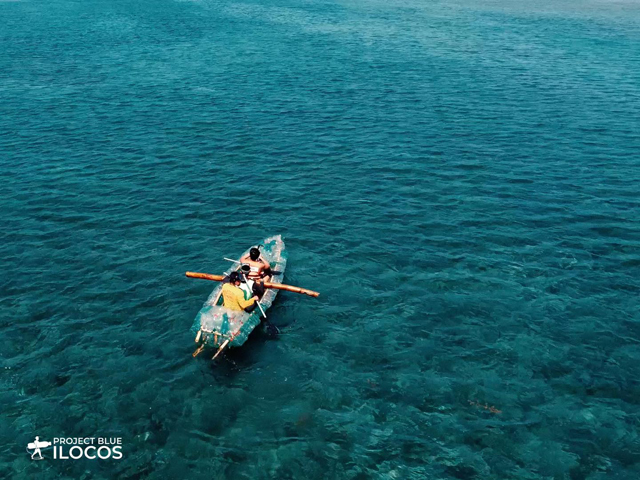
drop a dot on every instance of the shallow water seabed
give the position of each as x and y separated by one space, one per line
457 179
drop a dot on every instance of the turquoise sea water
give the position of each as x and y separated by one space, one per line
459 179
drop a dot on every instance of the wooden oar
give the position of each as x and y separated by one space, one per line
261 309
198 350
226 342
277 286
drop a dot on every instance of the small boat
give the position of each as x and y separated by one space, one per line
218 327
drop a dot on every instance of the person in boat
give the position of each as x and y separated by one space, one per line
233 296
259 268
256 269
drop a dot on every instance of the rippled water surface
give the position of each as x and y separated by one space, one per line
459 179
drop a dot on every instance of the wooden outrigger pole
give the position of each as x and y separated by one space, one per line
277 286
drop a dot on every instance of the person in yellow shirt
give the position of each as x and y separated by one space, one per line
233 295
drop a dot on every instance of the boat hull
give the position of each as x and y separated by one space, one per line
215 324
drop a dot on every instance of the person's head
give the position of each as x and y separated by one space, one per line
234 278
254 254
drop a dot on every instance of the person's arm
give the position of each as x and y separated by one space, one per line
244 258
242 302
233 295
246 303
265 263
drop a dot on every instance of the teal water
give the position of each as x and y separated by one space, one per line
459 179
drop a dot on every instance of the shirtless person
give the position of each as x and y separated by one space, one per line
259 270
259 267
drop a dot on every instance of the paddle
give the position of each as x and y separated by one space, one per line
276 286
226 342
260 307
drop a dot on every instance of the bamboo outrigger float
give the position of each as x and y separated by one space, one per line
218 327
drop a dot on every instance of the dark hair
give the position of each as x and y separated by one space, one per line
254 253
234 277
